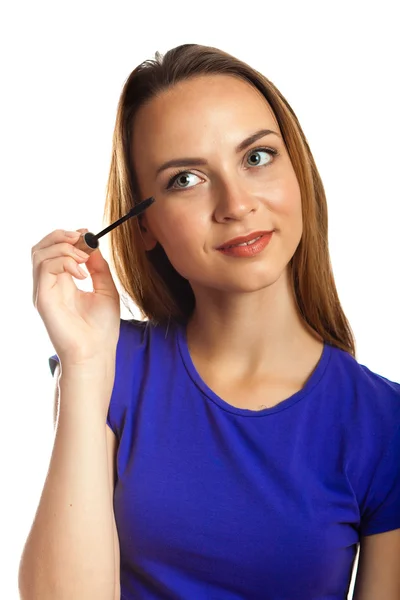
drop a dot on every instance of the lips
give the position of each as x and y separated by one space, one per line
243 239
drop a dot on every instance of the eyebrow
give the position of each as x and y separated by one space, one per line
193 161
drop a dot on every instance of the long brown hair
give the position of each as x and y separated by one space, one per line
148 278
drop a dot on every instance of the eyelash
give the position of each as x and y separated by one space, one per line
175 175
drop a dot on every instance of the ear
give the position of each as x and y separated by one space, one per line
149 241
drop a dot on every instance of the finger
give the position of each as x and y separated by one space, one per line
62 249
100 273
57 236
39 257
50 271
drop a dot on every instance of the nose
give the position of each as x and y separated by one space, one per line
234 202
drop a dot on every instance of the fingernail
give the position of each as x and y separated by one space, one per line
81 271
72 233
81 253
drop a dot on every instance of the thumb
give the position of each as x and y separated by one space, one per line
100 273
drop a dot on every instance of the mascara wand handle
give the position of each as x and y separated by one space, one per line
87 242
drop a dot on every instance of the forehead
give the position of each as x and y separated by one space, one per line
201 108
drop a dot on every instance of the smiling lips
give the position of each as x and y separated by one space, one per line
243 240
253 245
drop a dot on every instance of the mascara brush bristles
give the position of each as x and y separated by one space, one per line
134 212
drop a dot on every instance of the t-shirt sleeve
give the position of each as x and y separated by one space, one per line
129 356
382 506
53 362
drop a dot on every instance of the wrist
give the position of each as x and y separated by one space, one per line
98 368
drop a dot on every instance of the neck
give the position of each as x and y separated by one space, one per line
258 333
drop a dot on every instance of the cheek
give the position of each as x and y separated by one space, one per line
182 228
183 235
287 200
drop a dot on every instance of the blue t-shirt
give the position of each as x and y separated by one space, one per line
215 502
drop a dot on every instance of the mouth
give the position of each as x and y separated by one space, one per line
245 240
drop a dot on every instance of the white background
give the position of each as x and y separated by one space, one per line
63 65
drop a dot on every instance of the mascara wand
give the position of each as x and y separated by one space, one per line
88 242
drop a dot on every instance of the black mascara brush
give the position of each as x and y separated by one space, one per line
88 242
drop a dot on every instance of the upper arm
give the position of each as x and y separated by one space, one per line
112 446
378 573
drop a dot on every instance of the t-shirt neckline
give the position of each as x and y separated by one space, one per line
312 382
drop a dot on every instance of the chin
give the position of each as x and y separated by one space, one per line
250 284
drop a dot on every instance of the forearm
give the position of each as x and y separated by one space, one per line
69 552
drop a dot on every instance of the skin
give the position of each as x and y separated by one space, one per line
245 328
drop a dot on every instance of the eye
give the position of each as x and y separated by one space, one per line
178 177
270 151
181 177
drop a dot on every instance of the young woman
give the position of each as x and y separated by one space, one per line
246 453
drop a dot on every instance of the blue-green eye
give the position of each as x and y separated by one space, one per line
178 174
258 150
178 177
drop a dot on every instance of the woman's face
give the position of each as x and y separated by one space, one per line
228 193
